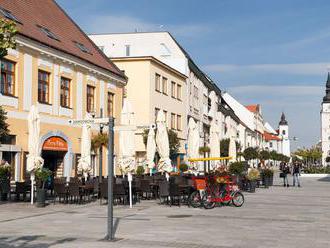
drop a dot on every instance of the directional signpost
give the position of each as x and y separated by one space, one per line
110 122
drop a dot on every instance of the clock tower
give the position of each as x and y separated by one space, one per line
325 123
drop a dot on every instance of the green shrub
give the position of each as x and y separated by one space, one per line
42 174
183 167
236 168
317 170
267 172
140 170
4 171
204 149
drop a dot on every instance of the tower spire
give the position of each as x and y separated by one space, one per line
326 98
283 120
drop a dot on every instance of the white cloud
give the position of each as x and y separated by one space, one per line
121 24
278 90
297 69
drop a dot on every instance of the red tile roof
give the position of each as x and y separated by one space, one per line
48 14
269 136
253 108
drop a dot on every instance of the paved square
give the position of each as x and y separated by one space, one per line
276 217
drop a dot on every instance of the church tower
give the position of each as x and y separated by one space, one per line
325 123
283 128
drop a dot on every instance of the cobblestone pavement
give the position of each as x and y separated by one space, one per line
275 217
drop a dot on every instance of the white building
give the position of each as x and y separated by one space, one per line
325 124
166 49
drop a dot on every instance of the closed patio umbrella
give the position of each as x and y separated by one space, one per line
84 163
193 141
214 142
232 147
34 160
151 149
127 140
163 147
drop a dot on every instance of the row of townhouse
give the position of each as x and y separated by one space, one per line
58 68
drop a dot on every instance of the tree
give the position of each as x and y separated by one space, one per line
4 131
264 155
250 153
101 139
224 147
7 36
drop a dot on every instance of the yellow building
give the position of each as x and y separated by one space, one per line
59 69
154 86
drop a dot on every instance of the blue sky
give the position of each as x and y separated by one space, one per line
275 53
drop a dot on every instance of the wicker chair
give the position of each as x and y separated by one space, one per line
103 190
164 191
146 189
60 191
74 192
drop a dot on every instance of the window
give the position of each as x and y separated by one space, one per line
8 15
43 86
195 92
82 47
7 83
178 122
270 144
157 82
128 50
165 85
65 92
111 97
156 112
101 48
173 89
172 121
164 51
49 33
283 132
165 114
178 92
90 98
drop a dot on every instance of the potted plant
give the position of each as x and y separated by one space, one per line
183 167
253 175
267 176
139 171
4 181
204 150
237 169
42 175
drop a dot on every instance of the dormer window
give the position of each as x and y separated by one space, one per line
49 33
9 15
82 47
164 51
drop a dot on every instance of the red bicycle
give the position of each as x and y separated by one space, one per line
225 192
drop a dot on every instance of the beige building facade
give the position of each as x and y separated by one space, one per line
154 86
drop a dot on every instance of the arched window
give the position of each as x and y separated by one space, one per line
283 132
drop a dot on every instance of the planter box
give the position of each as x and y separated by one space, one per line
315 175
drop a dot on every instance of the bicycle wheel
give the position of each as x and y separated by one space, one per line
195 199
238 199
207 201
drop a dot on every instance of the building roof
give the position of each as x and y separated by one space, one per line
269 136
253 108
269 128
150 58
243 114
47 23
326 98
283 121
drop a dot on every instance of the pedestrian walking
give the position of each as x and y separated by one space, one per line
296 174
285 168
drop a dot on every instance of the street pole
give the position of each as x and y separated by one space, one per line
110 234
101 150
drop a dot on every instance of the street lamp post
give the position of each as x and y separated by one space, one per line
101 150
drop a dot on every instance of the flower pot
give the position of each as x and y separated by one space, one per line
41 198
253 185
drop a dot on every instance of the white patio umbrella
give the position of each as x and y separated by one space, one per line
84 163
163 147
34 160
214 142
232 147
193 141
127 139
151 149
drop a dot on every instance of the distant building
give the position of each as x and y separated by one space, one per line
325 123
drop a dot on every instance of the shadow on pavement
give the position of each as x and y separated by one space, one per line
324 179
30 241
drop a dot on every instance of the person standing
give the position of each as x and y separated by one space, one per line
296 174
286 171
